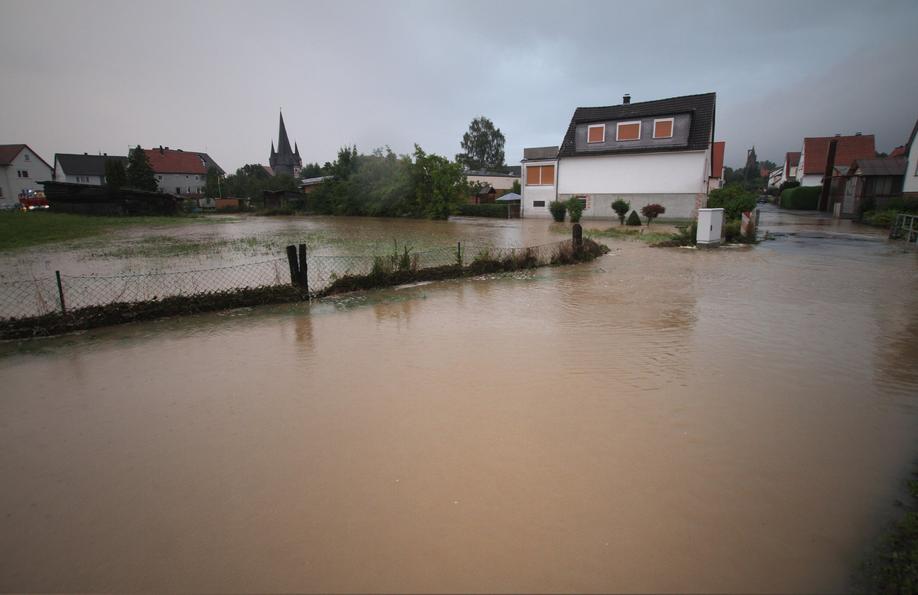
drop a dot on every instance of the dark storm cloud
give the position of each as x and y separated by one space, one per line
94 76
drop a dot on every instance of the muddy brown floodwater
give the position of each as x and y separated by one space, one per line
657 420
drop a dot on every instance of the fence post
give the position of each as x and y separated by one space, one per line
294 267
304 269
577 236
459 253
60 291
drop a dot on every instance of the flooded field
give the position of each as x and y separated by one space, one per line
657 420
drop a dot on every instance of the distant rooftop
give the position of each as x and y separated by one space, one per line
540 153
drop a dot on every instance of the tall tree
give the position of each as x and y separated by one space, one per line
115 174
212 185
483 146
139 171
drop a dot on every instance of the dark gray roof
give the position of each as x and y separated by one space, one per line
211 163
533 153
85 165
701 107
516 170
888 166
496 174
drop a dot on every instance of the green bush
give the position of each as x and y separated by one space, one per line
788 184
652 211
495 210
575 208
902 205
733 199
558 210
881 218
633 219
801 198
621 208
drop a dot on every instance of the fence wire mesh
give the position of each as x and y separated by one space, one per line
39 296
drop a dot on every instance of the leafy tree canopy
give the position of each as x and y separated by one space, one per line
115 174
483 146
139 171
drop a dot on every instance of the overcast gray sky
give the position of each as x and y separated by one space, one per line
84 76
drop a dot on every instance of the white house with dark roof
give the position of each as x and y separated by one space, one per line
910 181
649 152
21 170
83 169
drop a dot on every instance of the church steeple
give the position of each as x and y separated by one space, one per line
283 143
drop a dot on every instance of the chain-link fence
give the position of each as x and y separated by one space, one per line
63 292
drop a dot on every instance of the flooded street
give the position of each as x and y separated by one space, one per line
656 420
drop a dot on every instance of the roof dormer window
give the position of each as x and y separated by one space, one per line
628 130
663 128
596 133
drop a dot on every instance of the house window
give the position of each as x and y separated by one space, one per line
596 133
628 131
26 157
540 175
22 173
538 203
663 128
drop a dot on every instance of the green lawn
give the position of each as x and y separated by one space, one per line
24 229
630 233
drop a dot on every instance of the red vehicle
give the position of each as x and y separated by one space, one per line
30 203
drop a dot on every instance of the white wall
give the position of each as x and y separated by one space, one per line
810 180
169 182
11 185
533 194
910 183
497 182
653 173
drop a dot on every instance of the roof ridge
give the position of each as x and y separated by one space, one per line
646 102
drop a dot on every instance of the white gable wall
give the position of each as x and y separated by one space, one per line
655 173
11 184
910 183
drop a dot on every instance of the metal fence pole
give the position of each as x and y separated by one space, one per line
294 267
304 269
60 292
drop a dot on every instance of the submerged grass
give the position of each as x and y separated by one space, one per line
893 566
25 229
630 233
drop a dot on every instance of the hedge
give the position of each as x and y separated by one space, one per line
801 198
486 210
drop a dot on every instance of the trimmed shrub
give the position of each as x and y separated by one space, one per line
621 208
652 211
558 210
801 198
786 185
733 199
633 219
575 208
880 218
494 210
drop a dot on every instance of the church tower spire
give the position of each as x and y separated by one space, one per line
284 160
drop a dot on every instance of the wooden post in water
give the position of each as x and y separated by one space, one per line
304 269
60 292
294 266
577 236
459 253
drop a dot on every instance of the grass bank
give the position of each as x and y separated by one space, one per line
893 565
22 230
630 233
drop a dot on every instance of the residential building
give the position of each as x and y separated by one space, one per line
813 155
179 172
497 180
82 169
776 177
310 184
285 160
21 170
791 160
876 180
649 152
910 180
717 166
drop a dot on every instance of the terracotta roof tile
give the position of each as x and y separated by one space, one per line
849 148
175 161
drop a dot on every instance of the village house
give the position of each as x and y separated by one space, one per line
910 180
717 166
21 170
82 169
867 182
648 152
183 173
814 154
500 181
791 160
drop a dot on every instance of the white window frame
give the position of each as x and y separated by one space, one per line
672 128
591 127
620 124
